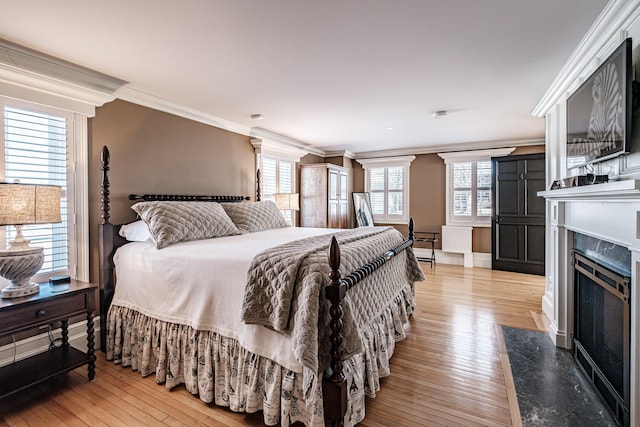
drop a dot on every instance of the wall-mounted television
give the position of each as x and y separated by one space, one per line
599 111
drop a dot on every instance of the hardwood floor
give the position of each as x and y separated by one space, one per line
447 372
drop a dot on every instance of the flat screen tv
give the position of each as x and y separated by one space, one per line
599 111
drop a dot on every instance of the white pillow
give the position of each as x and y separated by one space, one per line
136 231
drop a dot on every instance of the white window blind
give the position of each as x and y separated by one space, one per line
387 181
269 176
277 177
35 152
471 191
285 183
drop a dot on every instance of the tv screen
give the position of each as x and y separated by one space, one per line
599 111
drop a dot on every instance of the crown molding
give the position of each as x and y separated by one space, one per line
387 161
340 153
258 132
474 155
608 31
270 147
443 148
24 58
34 76
142 98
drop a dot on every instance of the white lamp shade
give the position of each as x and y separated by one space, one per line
287 201
22 204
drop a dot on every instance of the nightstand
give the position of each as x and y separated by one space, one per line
43 308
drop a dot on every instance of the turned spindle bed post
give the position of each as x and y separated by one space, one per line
258 195
334 387
107 236
334 384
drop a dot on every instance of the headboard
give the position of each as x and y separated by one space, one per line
109 239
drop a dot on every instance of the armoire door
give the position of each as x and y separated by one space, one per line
518 217
338 199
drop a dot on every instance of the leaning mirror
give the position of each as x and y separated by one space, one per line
362 210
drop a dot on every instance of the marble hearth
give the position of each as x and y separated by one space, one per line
610 212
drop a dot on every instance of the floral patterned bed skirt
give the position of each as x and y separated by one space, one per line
219 370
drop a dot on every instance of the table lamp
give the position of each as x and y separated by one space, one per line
22 204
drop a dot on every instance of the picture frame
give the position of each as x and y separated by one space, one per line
362 209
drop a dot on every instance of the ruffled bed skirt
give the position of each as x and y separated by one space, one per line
219 370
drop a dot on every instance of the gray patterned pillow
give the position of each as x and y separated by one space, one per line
172 222
250 217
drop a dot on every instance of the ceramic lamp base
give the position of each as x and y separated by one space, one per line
20 291
19 266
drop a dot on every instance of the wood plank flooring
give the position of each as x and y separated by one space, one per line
448 371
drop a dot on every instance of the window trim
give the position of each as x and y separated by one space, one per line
465 157
274 150
292 178
385 162
77 186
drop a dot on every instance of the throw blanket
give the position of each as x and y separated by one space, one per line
285 283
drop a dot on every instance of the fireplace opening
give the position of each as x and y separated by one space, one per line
601 338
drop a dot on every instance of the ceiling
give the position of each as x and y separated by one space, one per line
332 74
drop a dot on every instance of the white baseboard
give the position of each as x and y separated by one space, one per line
547 306
39 343
480 259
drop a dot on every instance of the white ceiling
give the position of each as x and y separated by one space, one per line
333 74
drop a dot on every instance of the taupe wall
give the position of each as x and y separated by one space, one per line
427 198
156 152
427 193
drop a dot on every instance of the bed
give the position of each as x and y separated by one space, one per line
258 316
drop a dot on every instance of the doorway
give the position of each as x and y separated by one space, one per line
518 214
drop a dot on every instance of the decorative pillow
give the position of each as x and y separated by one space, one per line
136 231
172 222
250 217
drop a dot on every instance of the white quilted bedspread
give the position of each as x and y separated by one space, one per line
201 284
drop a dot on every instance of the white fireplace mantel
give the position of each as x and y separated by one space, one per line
610 212
626 189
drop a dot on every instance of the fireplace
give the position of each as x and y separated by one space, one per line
601 336
609 214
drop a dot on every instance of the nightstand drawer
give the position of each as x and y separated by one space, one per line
43 311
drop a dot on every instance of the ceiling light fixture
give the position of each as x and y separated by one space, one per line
389 128
257 116
439 113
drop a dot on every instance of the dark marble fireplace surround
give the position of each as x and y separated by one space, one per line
612 256
604 319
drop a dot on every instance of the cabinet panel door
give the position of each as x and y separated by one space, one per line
334 217
334 190
344 187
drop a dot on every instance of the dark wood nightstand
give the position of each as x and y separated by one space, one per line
19 314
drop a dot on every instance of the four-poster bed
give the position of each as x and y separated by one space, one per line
356 326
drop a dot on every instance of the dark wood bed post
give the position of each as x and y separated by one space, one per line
334 387
107 233
334 383
258 195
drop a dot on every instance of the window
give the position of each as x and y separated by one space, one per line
277 177
472 191
387 181
35 146
469 186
